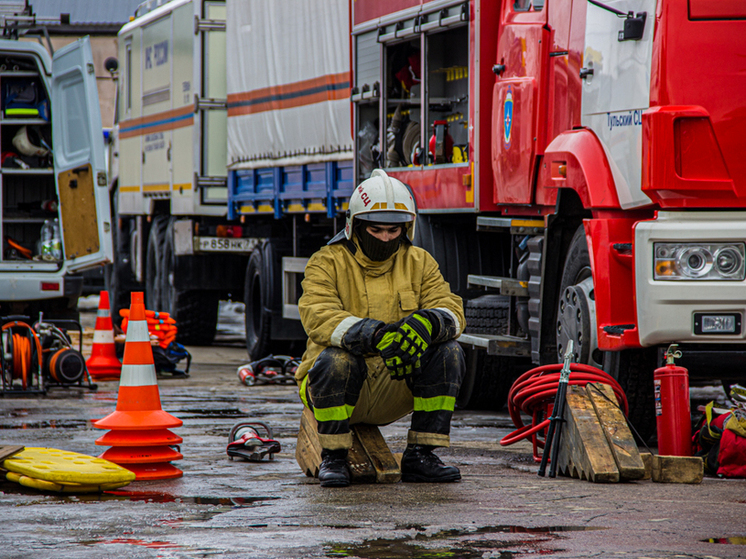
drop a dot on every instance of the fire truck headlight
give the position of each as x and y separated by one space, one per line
713 261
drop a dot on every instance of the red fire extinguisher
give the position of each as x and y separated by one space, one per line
672 411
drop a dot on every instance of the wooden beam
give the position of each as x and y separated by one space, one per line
614 424
583 450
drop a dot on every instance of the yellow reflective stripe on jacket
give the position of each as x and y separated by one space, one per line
303 385
438 403
337 413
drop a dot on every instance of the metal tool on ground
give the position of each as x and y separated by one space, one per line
555 422
246 442
273 369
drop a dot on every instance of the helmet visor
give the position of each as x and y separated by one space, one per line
385 217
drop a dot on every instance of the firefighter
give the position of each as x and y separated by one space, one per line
382 324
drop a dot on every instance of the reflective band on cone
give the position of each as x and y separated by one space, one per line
103 363
140 427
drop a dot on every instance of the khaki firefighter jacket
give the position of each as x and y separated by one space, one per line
343 286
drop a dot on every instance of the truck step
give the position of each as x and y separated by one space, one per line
498 345
506 286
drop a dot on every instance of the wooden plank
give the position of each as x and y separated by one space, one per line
308 448
6 451
618 435
386 468
584 452
308 452
678 469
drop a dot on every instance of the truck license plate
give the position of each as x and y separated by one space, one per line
225 244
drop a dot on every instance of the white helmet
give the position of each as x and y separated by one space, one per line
29 142
382 199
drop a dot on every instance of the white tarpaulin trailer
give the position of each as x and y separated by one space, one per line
288 80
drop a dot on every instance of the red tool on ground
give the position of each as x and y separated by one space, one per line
245 442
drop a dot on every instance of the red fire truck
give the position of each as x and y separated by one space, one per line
578 172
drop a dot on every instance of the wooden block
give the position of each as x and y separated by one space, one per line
614 424
583 450
386 468
647 459
678 469
369 459
6 451
308 448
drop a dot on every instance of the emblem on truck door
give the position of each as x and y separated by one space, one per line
508 116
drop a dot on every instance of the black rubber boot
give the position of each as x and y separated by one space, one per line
333 471
419 464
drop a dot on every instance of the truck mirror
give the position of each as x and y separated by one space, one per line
633 27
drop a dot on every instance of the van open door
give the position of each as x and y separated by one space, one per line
79 160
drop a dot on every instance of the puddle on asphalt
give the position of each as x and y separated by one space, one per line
739 540
399 549
206 412
135 496
51 424
468 549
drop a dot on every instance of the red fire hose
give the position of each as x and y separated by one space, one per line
533 394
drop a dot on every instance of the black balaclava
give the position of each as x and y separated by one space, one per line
376 249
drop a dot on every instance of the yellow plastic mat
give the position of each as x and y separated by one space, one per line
44 485
63 467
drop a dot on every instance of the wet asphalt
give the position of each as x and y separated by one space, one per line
235 509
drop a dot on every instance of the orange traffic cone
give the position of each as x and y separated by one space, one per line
141 437
103 363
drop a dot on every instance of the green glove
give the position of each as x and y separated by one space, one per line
402 348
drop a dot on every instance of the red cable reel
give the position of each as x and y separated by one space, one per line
533 394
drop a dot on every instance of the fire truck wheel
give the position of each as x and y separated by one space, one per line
195 311
488 379
262 279
196 315
153 263
576 320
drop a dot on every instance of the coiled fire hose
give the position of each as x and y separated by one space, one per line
533 394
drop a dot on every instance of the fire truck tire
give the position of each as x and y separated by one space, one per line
488 380
262 277
487 314
119 280
196 315
154 263
195 311
633 368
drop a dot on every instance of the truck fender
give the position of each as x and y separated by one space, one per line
576 159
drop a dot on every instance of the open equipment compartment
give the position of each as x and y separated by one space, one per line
27 185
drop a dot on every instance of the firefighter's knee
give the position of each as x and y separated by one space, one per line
448 359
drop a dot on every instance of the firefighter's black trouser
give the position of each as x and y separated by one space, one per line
341 390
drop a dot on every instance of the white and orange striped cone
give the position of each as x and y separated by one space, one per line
144 448
103 364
